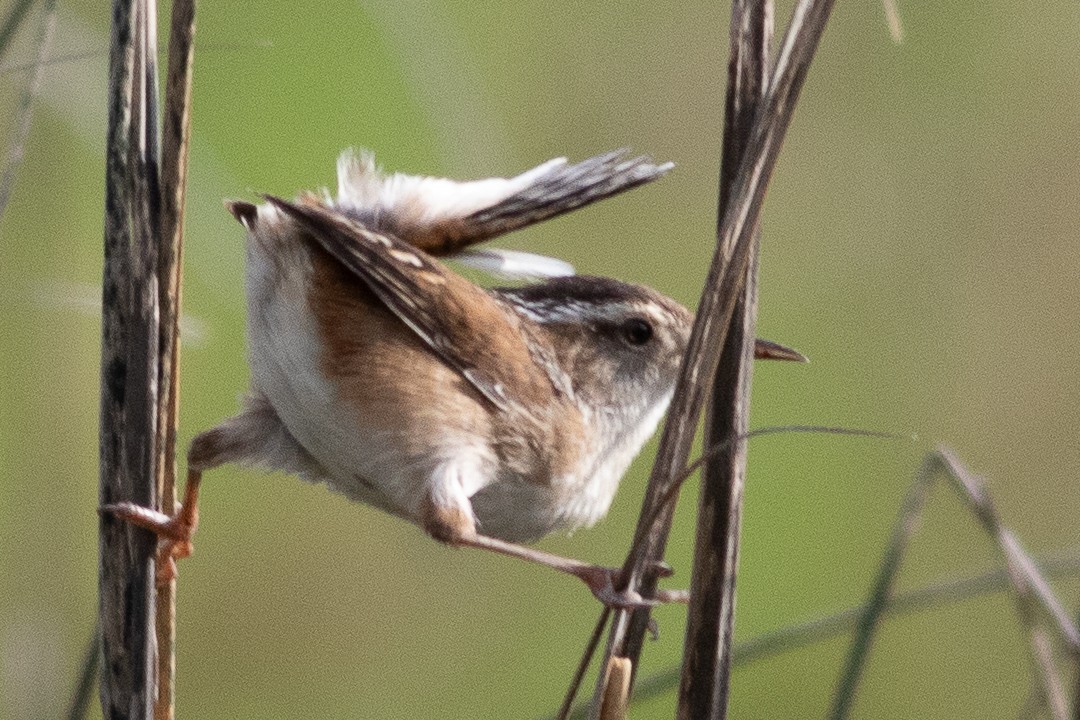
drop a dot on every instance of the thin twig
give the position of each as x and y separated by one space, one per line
175 143
616 689
892 16
583 665
1031 590
654 519
972 489
906 521
722 289
703 692
1045 671
809 632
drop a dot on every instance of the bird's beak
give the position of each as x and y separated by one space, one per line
768 350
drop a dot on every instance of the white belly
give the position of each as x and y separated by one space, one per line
284 356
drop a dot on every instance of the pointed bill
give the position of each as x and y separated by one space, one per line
769 350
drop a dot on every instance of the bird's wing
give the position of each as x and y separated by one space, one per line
461 323
442 216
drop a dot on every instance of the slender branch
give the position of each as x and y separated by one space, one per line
1029 585
972 489
880 594
583 665
723 287
176 141
809 632
703 692
1031 590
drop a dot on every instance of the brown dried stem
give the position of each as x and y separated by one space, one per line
803 634
703 691
129 371
722 290
176 141
140 325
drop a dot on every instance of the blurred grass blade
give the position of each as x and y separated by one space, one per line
25 112
1029 586
892 16
79 704
15 16
872 612
939 594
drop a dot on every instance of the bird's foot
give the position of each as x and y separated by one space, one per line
604 583
174 533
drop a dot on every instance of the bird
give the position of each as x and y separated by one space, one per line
488 417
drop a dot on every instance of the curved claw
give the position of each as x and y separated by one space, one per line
602 582
174 534
661 569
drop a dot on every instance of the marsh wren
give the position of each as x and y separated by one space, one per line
488 417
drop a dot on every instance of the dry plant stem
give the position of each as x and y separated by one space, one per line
1032 591
1045 670
892 16
25 113
723 287
809 632
617 689
583 666
1020 564
175 144
1030 587
703 691
128 377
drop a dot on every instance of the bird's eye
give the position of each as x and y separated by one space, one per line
637 331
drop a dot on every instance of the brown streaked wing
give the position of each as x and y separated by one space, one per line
458 320
561 189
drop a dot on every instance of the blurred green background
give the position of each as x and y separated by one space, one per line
918 246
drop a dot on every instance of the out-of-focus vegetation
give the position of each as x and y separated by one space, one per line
919 246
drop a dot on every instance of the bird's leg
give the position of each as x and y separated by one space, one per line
453 523
174 532
604 582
